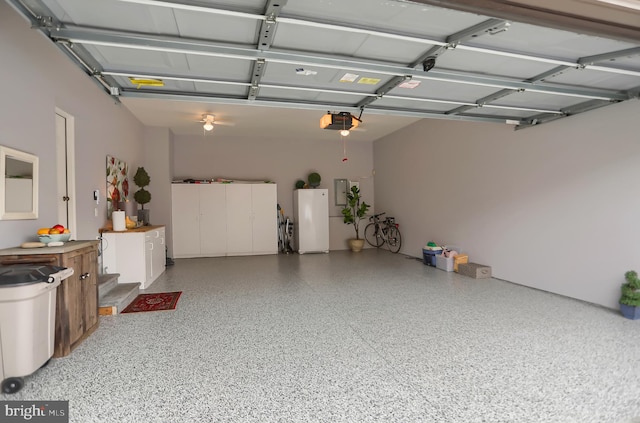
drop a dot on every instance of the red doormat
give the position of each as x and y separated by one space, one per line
153 302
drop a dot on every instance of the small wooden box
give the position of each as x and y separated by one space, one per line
475 270
459 259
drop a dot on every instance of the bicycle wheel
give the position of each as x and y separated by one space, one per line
373 235
394 239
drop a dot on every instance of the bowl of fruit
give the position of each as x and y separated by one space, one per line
57 233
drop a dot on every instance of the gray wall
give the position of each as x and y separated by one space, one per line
37 78
157 163
554 207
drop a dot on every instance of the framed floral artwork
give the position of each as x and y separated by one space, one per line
117 183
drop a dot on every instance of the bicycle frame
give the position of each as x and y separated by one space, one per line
383 232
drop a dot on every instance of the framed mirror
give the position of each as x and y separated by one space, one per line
18 184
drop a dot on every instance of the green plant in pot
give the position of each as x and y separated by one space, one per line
142 196
314 179
630 298
353 213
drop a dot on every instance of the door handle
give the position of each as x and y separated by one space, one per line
84 276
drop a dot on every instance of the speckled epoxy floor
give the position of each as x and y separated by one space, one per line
345 337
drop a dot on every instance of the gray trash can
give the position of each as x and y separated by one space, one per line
27 320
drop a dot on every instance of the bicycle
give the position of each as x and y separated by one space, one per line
379 232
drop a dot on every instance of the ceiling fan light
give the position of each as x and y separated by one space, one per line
344 132
208 122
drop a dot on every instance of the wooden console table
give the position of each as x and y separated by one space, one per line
76 297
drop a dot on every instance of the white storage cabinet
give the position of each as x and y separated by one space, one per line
252 219
137 255
199 220
224 219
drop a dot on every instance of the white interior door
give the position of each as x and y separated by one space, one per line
264 203
65 174
185 220
239 226
213 220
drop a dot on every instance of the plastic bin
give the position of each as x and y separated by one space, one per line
444 263
429 256
27 320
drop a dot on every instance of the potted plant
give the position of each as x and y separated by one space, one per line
353 213
314 179
630 298
142 196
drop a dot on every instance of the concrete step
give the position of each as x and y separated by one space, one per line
117 298
107 282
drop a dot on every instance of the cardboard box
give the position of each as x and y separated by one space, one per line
474 270
444 263
458 260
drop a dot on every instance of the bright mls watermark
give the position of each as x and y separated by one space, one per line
34 411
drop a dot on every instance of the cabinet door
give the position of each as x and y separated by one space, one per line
185 220
239 226
109 257
130 256
264 205
89 281
213 220
158 252
148 262
73 297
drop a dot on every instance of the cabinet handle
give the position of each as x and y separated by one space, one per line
84 276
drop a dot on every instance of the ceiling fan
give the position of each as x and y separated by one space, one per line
209 121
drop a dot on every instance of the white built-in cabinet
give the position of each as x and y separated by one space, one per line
224 219
199 220
138 255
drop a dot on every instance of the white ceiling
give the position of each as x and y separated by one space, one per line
273 68
254 121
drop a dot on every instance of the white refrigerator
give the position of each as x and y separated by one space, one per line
311 220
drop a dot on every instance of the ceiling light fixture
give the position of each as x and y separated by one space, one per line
208 122
342 121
